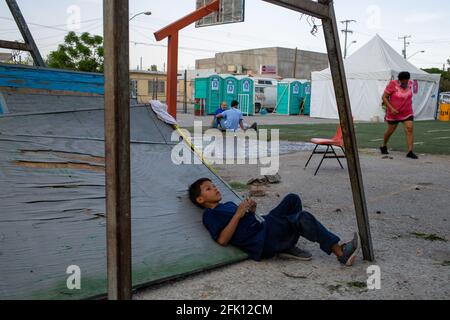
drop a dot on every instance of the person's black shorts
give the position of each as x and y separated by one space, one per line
402 121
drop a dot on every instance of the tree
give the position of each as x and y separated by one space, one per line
445 78
79 53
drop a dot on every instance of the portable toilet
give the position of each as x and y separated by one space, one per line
230 89
246 95
306 98
289 97
208 93
200 96
214 99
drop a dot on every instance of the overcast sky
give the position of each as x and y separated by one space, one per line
266 25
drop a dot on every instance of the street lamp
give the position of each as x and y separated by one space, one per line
422 51
147 13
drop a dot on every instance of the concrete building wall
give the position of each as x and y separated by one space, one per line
250 60
307 62
209 63
282 58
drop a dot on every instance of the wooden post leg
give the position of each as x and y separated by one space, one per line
343 101
117 148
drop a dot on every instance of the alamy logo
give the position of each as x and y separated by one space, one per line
74 280
374 280
374 19
74 19
239 148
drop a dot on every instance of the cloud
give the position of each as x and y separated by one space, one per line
423 17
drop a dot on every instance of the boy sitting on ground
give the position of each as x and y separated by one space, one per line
220 123
266 237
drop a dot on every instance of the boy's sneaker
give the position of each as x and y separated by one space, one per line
351 250
412 155
384 150
254 126
297 254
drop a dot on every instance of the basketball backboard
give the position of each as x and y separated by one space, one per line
231 11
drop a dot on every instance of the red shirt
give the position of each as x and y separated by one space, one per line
401 99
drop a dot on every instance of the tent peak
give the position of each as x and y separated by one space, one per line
378 56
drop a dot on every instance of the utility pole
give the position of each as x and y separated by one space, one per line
405 45
346 32
295 63
185 93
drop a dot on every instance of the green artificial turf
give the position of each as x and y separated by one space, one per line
431 137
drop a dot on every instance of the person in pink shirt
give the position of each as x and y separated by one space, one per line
398 99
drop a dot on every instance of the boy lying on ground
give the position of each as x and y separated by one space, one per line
274 234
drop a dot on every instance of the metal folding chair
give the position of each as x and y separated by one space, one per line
330 153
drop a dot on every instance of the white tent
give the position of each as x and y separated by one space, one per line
369 71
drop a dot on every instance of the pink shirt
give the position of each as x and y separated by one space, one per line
401 99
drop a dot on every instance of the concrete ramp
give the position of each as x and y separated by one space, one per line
52 195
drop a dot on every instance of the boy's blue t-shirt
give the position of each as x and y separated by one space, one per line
219 111
232 118
250 233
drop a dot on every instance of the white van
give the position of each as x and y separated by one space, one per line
265 94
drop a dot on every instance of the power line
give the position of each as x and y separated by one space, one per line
240 52
243 38
55 27
186 36
165 46
90 27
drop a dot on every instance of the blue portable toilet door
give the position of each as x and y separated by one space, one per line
307 98
215 96
230 91
296 99
244 98
283 98
244 104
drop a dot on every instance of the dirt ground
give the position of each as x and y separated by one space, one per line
407 201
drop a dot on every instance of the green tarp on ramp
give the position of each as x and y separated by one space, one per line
52 195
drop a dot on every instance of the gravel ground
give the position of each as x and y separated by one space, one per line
403 196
